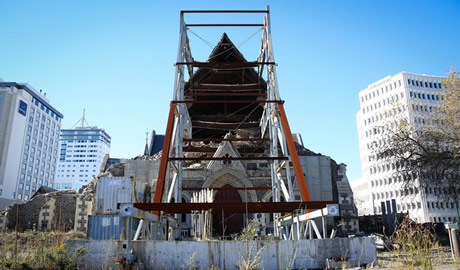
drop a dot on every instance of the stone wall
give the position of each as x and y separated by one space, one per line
29 213
49 211
348 212
83 210
3 220
46 214
64 212
317 170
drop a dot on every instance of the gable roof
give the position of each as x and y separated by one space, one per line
226 149
215 82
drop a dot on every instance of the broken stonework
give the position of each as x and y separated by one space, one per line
50 211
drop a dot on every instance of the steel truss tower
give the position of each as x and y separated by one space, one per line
212 103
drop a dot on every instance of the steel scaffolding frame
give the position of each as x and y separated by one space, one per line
273 123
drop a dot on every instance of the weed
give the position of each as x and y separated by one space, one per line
415 244
249 233
37 250
191 262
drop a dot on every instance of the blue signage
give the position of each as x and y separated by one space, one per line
22 108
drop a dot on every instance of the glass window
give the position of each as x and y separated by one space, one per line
21 185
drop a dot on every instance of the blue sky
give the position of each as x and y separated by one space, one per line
115 59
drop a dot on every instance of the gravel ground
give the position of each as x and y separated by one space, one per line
442 260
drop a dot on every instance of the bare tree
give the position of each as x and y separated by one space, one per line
427 155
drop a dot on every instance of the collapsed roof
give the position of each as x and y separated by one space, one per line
226 80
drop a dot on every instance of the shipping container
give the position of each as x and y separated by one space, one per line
104 227
111 191
109 227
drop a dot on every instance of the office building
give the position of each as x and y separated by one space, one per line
83 149
406 96
29 134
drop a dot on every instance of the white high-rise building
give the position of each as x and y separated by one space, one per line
403 96
29 134
83 149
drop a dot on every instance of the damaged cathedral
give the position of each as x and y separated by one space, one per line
224 150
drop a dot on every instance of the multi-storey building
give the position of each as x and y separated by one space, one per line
407 96
362 196
29 134
82 151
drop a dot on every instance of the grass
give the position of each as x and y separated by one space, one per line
38 250
441 258
416 247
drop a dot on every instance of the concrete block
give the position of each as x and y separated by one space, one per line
228 254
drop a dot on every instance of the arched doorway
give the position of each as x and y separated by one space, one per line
230 223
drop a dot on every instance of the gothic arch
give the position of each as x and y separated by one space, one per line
227 176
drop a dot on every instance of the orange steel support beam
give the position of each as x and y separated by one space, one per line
294 156
164 157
